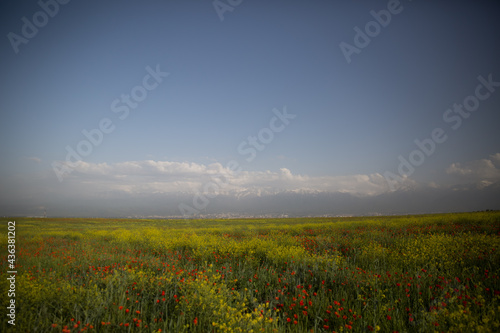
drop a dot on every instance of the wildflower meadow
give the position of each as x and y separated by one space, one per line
422 273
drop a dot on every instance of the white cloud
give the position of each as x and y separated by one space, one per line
482 172
495 159
35 159
142 177
159 186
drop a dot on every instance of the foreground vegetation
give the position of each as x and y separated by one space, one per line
405 274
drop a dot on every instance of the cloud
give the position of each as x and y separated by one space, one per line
152 187
169 177
481 172
35 159
152 177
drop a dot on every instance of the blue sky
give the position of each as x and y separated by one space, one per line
225 77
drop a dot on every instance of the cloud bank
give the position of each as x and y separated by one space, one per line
482 172
172 177
157 188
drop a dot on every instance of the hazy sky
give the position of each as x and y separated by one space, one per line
103 100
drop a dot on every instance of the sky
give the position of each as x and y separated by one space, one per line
191 108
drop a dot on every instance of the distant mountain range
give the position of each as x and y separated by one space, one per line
290 203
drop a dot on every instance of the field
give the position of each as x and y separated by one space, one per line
420 273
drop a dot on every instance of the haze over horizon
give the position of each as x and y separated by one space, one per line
170 108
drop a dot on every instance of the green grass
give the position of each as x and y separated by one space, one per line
399 273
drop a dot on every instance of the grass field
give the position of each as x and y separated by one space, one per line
406 274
